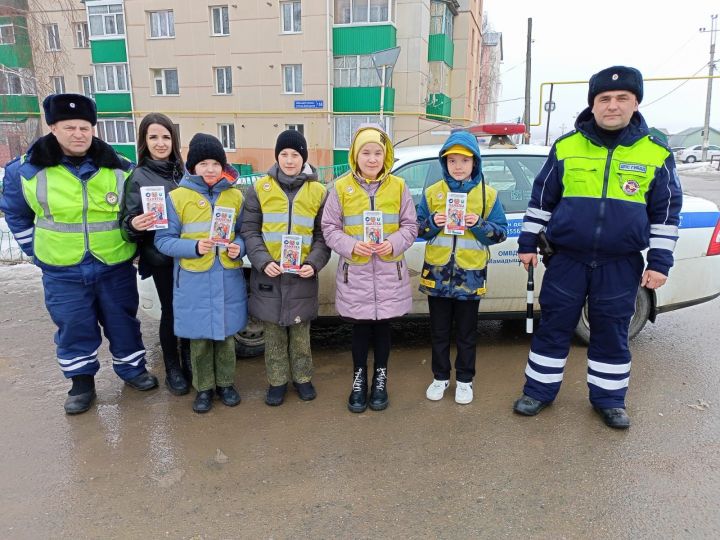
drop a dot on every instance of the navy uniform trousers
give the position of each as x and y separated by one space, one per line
610 289
83 298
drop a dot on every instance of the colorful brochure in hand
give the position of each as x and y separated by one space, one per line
153 200
455 207
373 226
222 224
291 253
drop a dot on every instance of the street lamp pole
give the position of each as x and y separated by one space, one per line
708 101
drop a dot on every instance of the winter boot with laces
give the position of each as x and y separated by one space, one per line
378 394
358 401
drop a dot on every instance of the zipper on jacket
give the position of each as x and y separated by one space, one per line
603 197
177 277
399 270
372 202
345 272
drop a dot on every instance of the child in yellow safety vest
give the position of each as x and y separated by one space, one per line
209 293
285 245
460 217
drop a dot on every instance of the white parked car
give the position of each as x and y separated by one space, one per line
695 277
691 154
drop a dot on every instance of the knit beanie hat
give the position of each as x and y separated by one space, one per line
616 78
69 107
294 140
368 136
202 147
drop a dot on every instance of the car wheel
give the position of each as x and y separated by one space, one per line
251 340
643 305
690 159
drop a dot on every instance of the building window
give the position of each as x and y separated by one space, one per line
52 37
441 19
58 84
87 85
10 83
223 80
107 20
117 131
346 126
7 34
363 11
162 24
292 78
82 35
439 78
227 135
354 71
166 82
296 127
220 21
111 77
291 15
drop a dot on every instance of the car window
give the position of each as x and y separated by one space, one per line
713 147
512 176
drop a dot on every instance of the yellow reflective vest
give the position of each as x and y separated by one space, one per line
469 253
73 216
195 213
354 200
278 218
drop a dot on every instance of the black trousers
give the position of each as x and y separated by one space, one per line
365 333
163 278
464 313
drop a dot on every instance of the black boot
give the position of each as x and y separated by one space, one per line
357 402
378 394
176 382
81 395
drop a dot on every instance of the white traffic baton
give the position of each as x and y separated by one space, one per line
530 300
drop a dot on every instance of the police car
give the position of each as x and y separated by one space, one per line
511 170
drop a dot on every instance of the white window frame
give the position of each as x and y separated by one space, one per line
226 134
290 21
10 39
116 130
222 75
349 125
221 30
104 17
16 84
441 19
57 82
164 22
86 83
347 11
161 76
296 127
118 72
356 71
52 37
82 35
290 85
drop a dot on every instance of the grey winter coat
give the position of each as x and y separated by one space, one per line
287 299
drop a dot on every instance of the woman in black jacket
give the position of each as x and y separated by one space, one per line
159 164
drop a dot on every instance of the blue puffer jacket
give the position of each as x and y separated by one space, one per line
212 304
457 282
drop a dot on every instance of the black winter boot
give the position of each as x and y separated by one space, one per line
378 394
357 402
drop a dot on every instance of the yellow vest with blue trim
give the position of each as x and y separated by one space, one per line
73 216
469 253
354 200
629 173
195 214
278 219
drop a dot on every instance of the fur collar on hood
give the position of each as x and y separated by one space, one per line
46 152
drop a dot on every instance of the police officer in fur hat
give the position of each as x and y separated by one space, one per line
608 191
62 201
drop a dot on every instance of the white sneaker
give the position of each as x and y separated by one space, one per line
463 393
436 390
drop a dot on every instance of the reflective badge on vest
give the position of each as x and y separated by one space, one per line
630 187
350 190
202 203
633 167
266 186
111 197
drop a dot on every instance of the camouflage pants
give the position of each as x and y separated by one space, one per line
287 353
213 363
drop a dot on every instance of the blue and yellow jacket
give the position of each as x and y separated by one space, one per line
599 204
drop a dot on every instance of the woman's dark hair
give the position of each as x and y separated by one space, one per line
164 121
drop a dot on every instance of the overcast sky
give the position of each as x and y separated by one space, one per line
574 39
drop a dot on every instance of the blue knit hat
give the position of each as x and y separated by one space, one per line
616 78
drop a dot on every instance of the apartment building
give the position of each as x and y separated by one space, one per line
248 70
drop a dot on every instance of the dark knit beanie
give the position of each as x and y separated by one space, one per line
202 147
291 139
69 107
616 78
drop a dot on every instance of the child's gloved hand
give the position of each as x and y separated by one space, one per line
204 246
